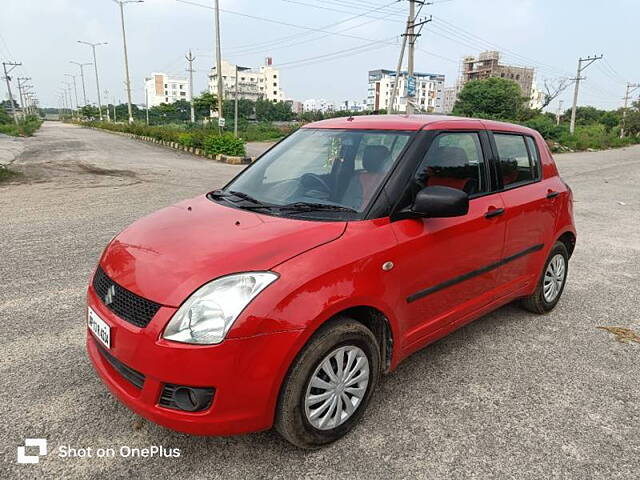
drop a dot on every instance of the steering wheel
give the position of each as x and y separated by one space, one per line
310 180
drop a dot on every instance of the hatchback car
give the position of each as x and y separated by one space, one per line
280 299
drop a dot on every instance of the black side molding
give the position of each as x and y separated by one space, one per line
454 281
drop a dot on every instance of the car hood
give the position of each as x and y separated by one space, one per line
167 255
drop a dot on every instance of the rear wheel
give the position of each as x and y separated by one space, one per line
552 281
329 385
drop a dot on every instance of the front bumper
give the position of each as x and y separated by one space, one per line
245 372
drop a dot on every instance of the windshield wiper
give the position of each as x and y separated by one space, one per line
244 196
310 207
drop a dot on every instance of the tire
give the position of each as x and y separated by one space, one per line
355 341
538 303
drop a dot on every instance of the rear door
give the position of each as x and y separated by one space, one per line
447 265
529 208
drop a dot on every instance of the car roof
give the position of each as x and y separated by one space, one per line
413 122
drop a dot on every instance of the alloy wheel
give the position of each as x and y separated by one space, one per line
554 277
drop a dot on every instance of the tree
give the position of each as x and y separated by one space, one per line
493 97
553 88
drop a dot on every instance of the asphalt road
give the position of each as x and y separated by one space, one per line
512 395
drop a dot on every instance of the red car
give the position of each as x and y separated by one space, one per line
280 299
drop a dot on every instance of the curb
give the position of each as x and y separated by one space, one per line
228 159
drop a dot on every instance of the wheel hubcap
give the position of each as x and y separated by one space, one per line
337 387
554 278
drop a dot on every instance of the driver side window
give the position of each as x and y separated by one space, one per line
454 160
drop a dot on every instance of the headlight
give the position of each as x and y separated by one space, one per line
208 314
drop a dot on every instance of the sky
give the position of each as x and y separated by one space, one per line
324 48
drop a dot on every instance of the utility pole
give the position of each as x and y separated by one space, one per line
190 58
75 88
588 61
410 61
82 65
121 3
146 102
559 112
8 79
106 96
631 87
235 106
95 67
410 33
219 65
398 71
21 84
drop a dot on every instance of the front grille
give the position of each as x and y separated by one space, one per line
127 305
167 400
132 376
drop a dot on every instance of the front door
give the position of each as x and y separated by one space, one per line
449 265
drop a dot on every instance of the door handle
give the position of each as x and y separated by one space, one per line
494 212
552 194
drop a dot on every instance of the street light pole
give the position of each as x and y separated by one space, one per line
82 65
121 3
219 63
75 88
95 67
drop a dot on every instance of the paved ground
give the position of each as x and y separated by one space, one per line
512 395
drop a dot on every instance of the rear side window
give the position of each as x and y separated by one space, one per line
454 160
516 164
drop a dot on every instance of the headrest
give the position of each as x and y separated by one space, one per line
448 157
375 157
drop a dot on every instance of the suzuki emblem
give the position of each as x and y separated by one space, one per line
111 292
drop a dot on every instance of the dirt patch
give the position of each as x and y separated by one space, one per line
623 335
105 171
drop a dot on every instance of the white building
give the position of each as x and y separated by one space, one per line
537 98
161 88
428 91
253 84
352 106
318 105
449 98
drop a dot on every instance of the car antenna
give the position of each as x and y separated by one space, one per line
350 118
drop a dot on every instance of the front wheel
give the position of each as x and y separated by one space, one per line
329 385
552 281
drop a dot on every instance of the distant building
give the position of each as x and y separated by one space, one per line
488 65
296 106
253 84
449 98
428 91
317 105
537 98
352 106
162 88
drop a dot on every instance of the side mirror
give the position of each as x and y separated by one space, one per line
440 201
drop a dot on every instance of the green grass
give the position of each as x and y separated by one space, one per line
6 174
25 128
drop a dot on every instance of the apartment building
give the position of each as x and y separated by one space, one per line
449 98
428 91
352 106
488 65
162 88
318 105
253 84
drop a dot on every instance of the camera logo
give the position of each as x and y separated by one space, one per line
41 443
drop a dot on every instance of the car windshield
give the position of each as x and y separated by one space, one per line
326 173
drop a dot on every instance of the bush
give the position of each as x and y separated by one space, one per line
25 128
225 144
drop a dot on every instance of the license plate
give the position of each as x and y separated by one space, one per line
99 327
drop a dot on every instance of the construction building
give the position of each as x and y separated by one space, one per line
488 65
